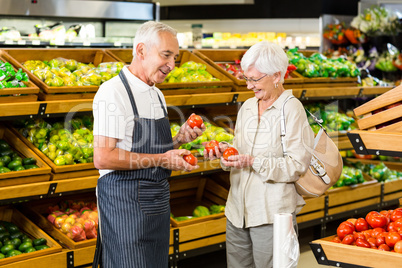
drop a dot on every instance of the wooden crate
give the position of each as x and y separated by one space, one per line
186 194
354 255
37 212
24 176
224 85
215 56
353 197
11 214
28 93
18 56
321 82
314 209
60 172
392 189
382 113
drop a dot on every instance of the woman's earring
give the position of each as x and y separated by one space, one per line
276 85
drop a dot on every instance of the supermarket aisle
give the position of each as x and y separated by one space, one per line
218 259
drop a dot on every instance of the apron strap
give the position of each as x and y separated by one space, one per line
130 94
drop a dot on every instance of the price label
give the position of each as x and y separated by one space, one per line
59 43
36 42
86 43
9 42
21 42
117 44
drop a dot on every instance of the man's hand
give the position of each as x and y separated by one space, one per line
187 134
173 160
238 161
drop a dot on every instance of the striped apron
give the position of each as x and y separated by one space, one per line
134 205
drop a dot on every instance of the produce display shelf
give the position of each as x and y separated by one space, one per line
340 255
45 189
376 142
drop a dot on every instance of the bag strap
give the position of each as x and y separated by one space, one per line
283 125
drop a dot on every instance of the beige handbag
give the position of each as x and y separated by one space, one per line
326 163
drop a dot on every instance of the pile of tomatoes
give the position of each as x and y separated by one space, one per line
379 230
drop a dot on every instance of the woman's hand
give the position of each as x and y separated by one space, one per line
217 152
238 161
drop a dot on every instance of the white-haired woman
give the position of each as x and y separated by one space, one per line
262 177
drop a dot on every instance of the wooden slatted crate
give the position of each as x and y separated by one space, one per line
352 255
60 172
24 176
314 209
21 94
325 82
214 57
380 125
37 211
224 85
18 56
11 214
186 195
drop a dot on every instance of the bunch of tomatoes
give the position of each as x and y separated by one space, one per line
379 230
196 121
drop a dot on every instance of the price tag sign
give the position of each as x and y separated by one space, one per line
36 42
21 42
9 42
86 43
59 43
117 44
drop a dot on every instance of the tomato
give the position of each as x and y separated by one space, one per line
191 159
344 229
383 247
396 214
210 146
379 240
336 240
349 223
367 233
398 225
357 235
375 219
391 226
362 243
372 241
361 225
376 231
398 246
348 239
195 121
352 220
228 152
392 238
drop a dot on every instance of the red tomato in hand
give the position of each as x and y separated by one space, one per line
195 121
344 229
210 146
361 225
376 219
191 159
230 151
392 238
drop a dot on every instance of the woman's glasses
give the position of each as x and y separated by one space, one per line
253 81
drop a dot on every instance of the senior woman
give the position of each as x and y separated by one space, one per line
261 176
